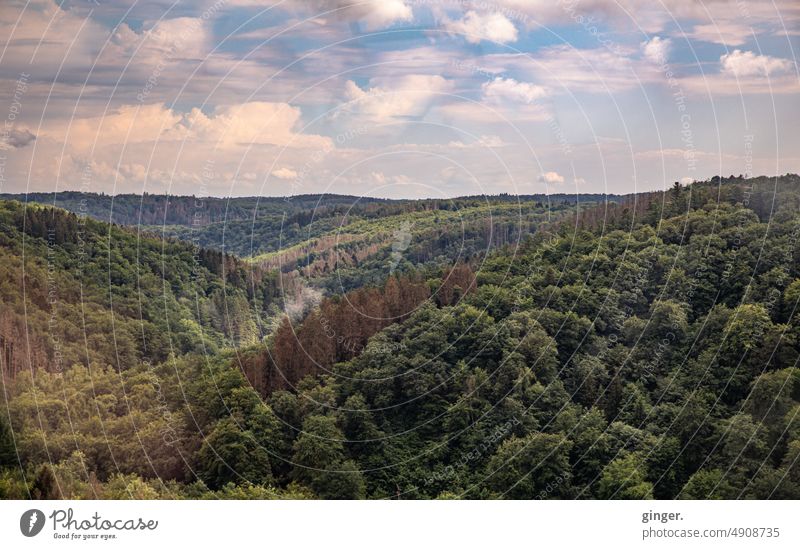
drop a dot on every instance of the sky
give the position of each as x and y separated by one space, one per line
394 98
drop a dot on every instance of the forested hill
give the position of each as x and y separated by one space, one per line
252 226
159 209
646 349
194 211
77 291
337 243
653 355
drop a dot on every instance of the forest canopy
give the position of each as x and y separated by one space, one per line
629 349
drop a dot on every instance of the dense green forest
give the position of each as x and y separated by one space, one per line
253 226
638 348
159 210
76 290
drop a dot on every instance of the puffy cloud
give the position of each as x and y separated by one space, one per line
650 17
375 14
284 173
487 26
745 73
746 63
387 98
657 49
64 44
128 124
250 96
551 178
383 13
256 122
178 38
507 89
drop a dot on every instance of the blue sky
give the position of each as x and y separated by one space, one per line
397 98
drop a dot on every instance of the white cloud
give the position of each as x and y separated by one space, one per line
727 33
475 27
250 97
478 114
378 177
384 13
508 89
178 38
256 122
503 100
484 141
657 50
284 173
492 141
746 63
651 17
745 73
595 70
39 34
375 14
551 178
127 124
387 98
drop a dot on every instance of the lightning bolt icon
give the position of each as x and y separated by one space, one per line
34 517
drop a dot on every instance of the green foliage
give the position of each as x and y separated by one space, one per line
93 293
230 454
624 478
641 350
320 461
8 450
533 467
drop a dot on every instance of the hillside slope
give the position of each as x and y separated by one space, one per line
251 226
652 356
77 291
647 349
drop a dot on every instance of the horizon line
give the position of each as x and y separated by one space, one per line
288 198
